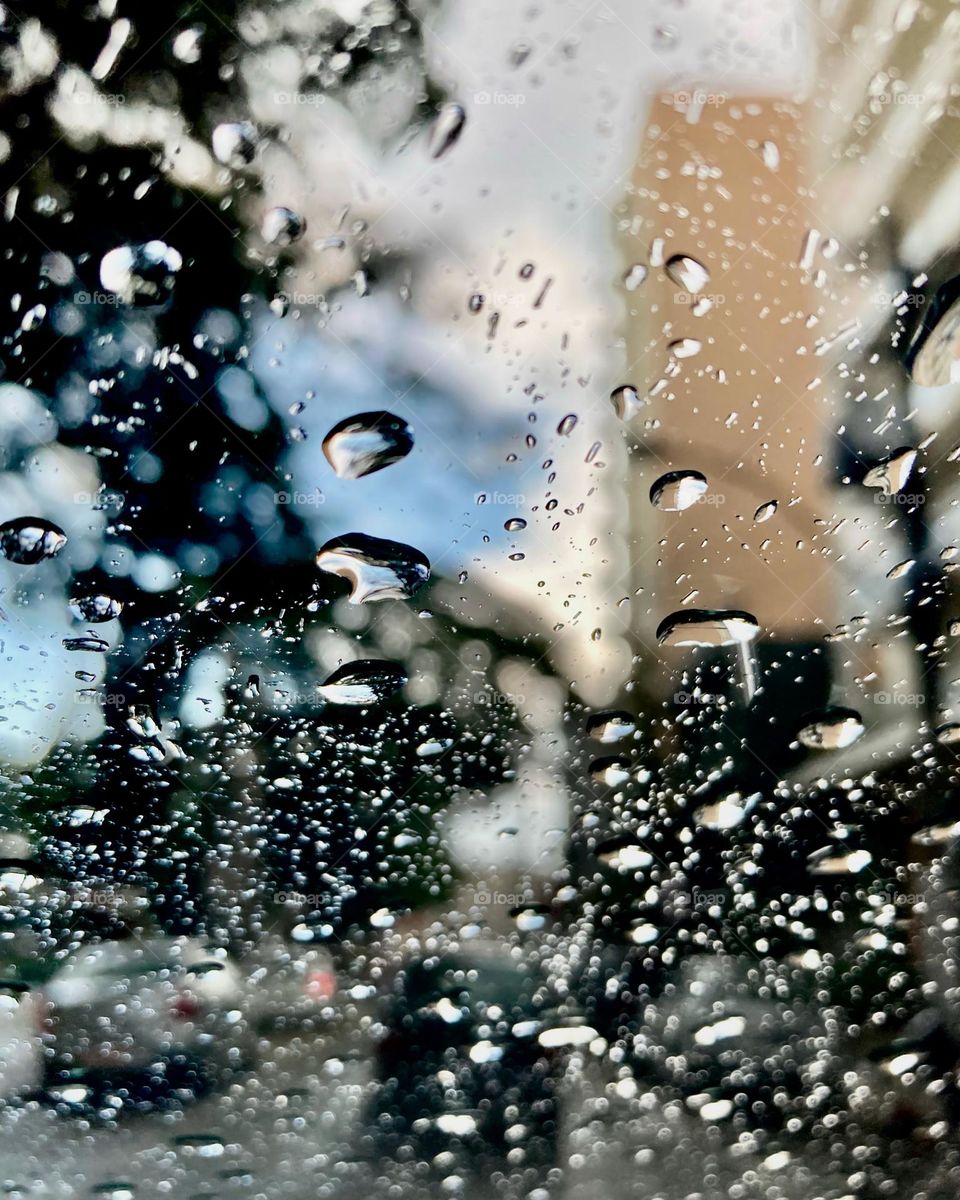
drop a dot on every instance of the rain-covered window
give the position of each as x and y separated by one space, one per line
479 650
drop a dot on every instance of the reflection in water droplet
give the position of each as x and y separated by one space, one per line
685 347
626 401
765 512
832 729
29 540
366 681
514 524
376 568
141 275
282 226
948 735
727 812
687 273
624 854
95 645
611 772
707 627
96 609
892 473
367 442
678 490
446 129
607 727
567 424
901 569
234 143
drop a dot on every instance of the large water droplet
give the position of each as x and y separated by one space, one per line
366 681
708 627
235 143
96 608
376 568
624 854
892 473
366 443
765 511
832 729
687 273
143 275
626 401
446 129
608 727
29 540
678 490
282 226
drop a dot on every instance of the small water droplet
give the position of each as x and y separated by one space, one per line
446 129
96 608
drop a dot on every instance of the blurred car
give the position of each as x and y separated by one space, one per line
165 1012
21 1062
288 987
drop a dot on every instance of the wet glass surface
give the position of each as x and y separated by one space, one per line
479 701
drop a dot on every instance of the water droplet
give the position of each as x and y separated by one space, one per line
235 143
282 226
770 153
832 729
685 347
707 627
727 812
608 727
622 853
96 608
626 401
829 862
29 540
678 490
143 275
376 568
901 569
514 524
567 424
765 512
366 443
95 645
366 681
948 734
446 129
610 772
892 473
635 277
687 273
